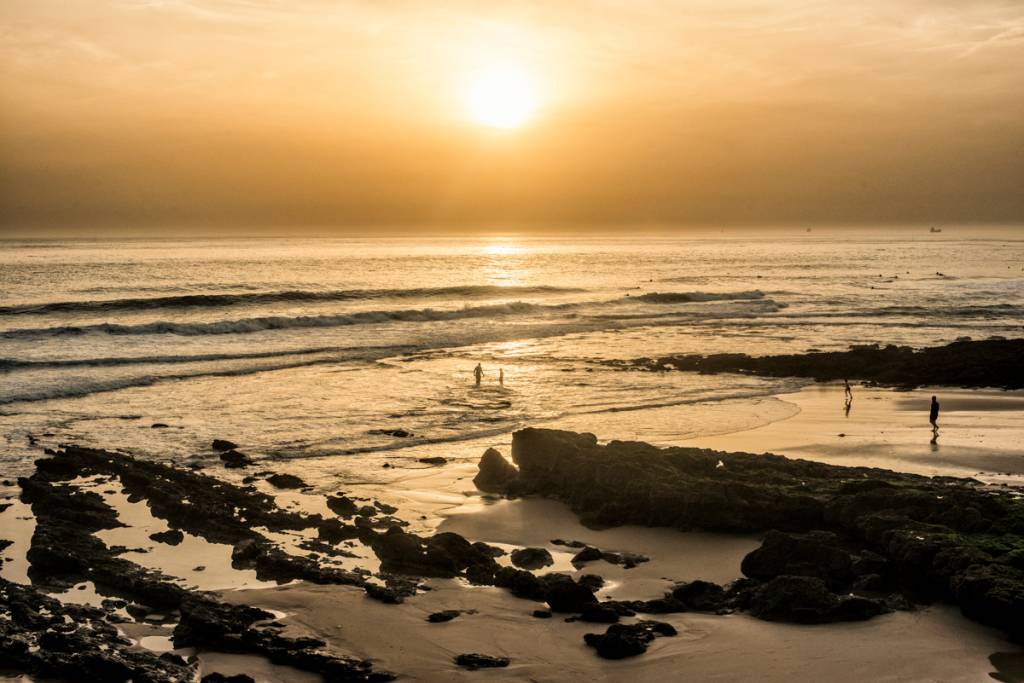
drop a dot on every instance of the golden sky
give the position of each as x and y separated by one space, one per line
250 113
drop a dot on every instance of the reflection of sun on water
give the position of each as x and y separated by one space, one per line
504 263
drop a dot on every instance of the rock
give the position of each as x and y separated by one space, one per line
234 459
385 508
627 640
700 596
985 363
807 600
342 505
170 537
286 481
815 553
442 616
532 558
158 425
542 613
397 433
443 555
588 554
478 661
568 596
495 472
592 581
221 678
385 594
434 460
221 445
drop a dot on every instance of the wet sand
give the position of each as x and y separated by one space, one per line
981 434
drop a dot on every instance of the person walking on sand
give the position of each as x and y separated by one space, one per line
478 372
849 391
933 415
501 376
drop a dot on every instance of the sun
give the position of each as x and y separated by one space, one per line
501 98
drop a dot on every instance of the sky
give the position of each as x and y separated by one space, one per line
247 115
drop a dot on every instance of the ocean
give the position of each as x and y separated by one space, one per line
316 348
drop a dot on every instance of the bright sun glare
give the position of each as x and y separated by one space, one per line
501 98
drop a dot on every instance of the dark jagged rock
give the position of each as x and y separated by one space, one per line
807 600
542 613
568 596
221 445
627 640
45 638
342 505
933 538
170 537
434 460
987 363
477 661
443 616
442 555
286 481
235 459
532 558
588 554
700 596
495 472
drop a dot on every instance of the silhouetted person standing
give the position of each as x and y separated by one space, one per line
933 417
848 397
478 372
501 376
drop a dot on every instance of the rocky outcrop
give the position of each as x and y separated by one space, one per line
845 528
988 363
495 472
46 638
64 551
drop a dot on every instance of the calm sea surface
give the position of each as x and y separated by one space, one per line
302 348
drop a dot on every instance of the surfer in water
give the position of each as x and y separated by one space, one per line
478 373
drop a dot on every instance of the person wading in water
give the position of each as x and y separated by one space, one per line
478 372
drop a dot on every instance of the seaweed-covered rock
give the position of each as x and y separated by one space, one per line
929 538
816 553
807 600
